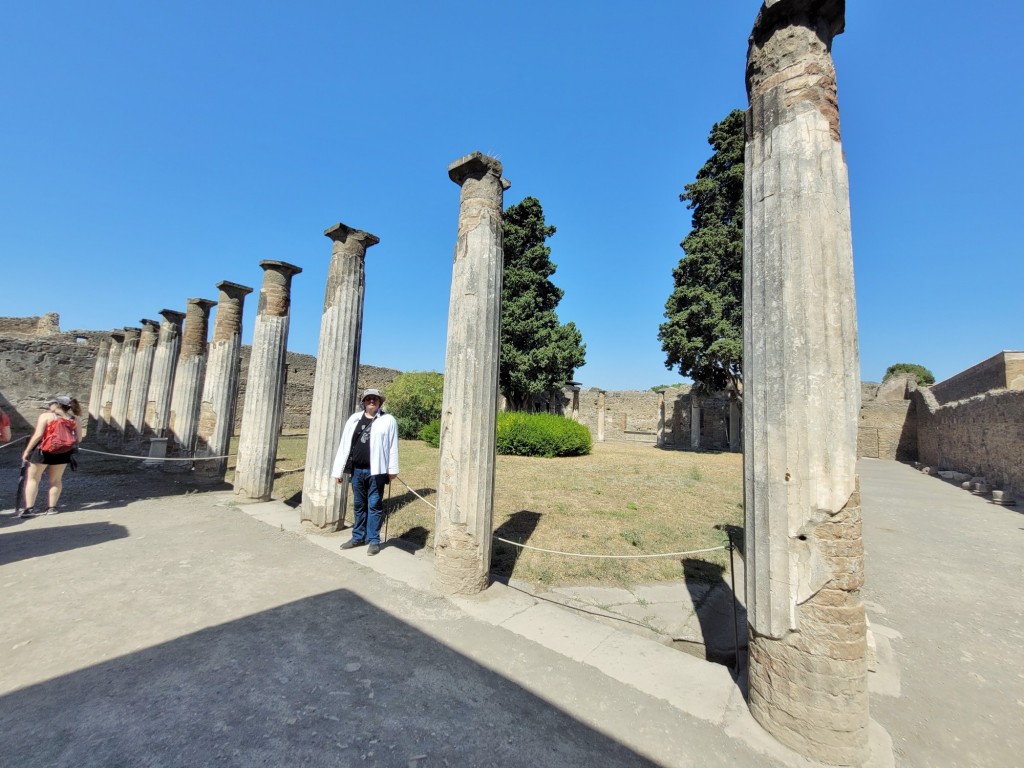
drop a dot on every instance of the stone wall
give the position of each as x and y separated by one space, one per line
981 435
30 327
1002 371
887 428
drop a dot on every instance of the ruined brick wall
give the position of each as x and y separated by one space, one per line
982 435
1002 371
30 327
888 430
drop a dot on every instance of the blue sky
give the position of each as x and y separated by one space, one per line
149 151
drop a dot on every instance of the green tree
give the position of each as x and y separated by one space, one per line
924 377
414 399
703 336
538 354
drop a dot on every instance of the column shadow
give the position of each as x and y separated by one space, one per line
519 528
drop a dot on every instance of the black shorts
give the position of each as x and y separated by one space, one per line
45 457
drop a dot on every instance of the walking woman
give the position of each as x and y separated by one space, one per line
51 447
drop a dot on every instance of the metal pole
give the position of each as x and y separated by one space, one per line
735 620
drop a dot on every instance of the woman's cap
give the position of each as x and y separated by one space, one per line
63 400
373 393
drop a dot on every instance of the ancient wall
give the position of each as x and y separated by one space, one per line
1002 371
981 435
30 327
887 425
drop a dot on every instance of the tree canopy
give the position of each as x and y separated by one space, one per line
703 335
414 399
925 378
538 354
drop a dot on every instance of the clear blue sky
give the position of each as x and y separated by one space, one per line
148 151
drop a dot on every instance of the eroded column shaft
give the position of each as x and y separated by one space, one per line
135 423
220 383
264 390
96 392
188 379
123 383
109 380
337 371
804 556
165 361
465 486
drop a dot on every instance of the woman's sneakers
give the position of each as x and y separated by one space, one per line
28 512
51 511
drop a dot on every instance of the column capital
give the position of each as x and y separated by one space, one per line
833 12
117 336
234 290
476 164
340 233
203 304
172 316
146 323
280 266
130 334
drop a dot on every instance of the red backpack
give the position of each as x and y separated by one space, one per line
59 436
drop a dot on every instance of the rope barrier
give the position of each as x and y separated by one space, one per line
577 554
13 442
153 458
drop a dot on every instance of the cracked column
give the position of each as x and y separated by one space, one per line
96 392
220 385
135 423
165 360
264 390
465 486
804 554
188 378
109 380
337 372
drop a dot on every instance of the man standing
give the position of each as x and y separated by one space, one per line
369 454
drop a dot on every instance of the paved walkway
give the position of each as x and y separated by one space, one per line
183 629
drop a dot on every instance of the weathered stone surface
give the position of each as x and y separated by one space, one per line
161 384
801 395
109 380
188 380
98 376
465 486
220 384
264 400
334 388
139 391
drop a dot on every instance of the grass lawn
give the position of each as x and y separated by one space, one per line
622 499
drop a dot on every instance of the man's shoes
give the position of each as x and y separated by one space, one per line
51 511
372 550
351 544
28 512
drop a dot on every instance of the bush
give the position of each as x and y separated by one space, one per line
541 434
431 433
925 378
414 399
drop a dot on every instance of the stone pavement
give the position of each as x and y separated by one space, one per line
183 629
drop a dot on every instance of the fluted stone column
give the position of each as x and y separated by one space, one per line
804 554
264 389
337 372
96 392
735 426
220 385
135 423
188 378
694 421
165 361
122 386
109 380
600 416
465 486
661 419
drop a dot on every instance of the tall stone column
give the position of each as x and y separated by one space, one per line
804 554
465 487
264 390
220 385
661 419
337 372
161 383
188 378
600 416
735 426
96 392
123 383
694 421
109 380
134 425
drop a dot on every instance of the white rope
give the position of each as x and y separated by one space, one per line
13 442
153 458
576 554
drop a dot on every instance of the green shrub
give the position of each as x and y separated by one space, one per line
541 434
414 399
925 378
431 433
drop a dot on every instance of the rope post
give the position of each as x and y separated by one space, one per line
735 619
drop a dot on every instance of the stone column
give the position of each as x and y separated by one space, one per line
600 416
188 378
123 383
109 380
337 372
264 390
694 421
220 385
96 392
165 360
735 426
465 487
804 554
661 419
135 423
575 385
